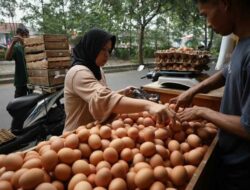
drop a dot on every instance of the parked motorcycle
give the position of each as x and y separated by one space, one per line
35 117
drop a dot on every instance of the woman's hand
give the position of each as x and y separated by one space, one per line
127 91
162 112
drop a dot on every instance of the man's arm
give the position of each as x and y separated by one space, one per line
10 50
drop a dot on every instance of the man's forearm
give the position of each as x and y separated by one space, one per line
9 52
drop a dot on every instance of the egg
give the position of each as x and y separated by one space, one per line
49 160
133 133
161 133
148 149
96 157
190 170
118 170
156 160
141 165
103 177
16 176
85 149
110 155
71 141
13 161
57 144
83 135
117 124
58 185
66 155
130 179
157 186
32 163
117 144
176 158
7 175
194 156
81 166
103 164
161 174
76 179
193 140
148 121
126 154
6 185
144 178
118 184
63 172
179 176
161 150
138 158
47 186
31 178
121 132
173 145
94 141
83 185
148 134
105 132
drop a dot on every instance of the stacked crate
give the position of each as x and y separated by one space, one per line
182 59
47 59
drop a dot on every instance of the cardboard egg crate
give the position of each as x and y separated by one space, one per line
46 56
182 60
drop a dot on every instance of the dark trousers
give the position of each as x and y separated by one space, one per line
233 177
21 91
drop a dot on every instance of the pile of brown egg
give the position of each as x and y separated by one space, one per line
182 59
132 152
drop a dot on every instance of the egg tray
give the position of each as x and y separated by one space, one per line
5 136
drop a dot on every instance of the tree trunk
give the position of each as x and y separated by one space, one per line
141 41
210 40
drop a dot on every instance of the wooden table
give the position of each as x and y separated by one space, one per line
211 100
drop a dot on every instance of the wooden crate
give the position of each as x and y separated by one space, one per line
203 178
47 52
47 77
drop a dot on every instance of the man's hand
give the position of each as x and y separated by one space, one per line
183 100
17 39
188 114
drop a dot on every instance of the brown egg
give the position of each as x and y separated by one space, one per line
91 179
33 163
144 178
157 186
140 120
85 149
105 132
148 149
49 160
58 185
2 158
76 179
203 134
83 135
94 141
148 121
190 170
47 186
193 140
81 166
57 144
126 154
13 162
133 133
41 144
66 155
185 147
161 150
44 149
83 185
194 156
5 185
180 136
117 144
161 174
148 134
94 130
7 176
16 176
179 176
128 142
161 133
133 116
96 157
130 179
141 165
31 178
103 164
99 188
121 132
138 158
103 177
117 124
71 141
176 158
118 184
110 155
118 170
159 142
173 145
156 160
63 172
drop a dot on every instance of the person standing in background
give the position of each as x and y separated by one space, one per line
16 52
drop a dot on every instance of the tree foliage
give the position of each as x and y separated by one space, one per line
142 26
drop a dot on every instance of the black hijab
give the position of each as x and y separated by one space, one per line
86 51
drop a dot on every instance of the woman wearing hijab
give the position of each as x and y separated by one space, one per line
87 97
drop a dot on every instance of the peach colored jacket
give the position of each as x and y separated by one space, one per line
86 99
